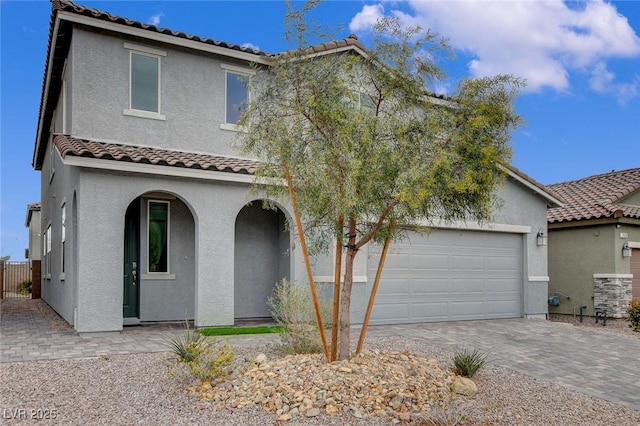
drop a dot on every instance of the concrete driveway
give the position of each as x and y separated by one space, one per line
590 360
605 365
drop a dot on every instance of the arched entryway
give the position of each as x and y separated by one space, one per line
262 244
159 259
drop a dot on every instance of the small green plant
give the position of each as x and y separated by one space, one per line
214 362
204 360
25 286
467 362
634 315
292 307
188 345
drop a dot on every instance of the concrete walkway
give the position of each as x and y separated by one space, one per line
605 365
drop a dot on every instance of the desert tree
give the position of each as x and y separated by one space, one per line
366 151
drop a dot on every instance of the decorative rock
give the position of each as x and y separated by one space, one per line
284 418
464 386
389 384
331 409
312 412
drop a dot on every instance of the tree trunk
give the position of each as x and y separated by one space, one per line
345 294
336 290
374 289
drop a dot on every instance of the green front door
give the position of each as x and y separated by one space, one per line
131 306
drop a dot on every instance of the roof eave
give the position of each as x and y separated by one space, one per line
38 151
552 200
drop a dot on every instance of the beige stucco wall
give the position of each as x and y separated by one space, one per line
576 254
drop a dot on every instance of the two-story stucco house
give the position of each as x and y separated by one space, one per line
145 202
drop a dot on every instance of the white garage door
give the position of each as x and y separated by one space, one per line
449 275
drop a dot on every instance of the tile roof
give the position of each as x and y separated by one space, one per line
67 5
69 146
596 197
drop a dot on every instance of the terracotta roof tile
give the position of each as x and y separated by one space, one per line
596 197
69 6
69 146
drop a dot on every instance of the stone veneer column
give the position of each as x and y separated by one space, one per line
613 293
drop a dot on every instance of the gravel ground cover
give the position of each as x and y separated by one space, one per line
614 325
138 390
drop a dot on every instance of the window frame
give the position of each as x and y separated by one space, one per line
239 71
168 242
135 49
47 252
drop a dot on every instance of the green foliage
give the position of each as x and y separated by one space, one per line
188 345
25 286
634 315
205 360
215 361
292 307
361 137
467 362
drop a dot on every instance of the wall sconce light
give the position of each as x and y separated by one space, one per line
541 238
626 250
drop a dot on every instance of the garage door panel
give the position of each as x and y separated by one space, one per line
504 307
467 286
425 310
429 287
467 263
450 275
502 286
398 260
434 262
396 286
467 308
391 313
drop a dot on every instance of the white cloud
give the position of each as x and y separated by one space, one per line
603 81
542 41
155 19
250 46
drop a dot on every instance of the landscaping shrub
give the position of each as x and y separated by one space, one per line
25 286
634 314
188 345
467 362
205 360
292 307
214 361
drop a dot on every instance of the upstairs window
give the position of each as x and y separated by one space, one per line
144 81
237 94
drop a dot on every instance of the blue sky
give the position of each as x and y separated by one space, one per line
581 60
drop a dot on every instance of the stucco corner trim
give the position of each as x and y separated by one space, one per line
538 279
613 276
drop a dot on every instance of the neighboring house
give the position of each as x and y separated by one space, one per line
594 244
145 213
34 252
